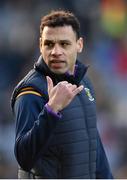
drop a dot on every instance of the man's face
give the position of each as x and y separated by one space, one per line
59 48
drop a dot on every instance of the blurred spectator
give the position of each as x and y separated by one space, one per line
114 17
121 58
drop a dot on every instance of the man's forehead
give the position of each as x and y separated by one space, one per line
65 27
64 32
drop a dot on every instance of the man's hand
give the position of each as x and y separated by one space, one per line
61 94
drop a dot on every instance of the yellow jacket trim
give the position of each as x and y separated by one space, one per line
28 92
27 88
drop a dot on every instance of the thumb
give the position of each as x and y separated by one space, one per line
49 83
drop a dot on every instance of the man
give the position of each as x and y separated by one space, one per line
54 108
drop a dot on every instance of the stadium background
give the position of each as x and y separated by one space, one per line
104 28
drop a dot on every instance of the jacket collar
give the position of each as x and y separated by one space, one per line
80 71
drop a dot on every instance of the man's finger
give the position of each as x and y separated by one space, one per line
49 83
78 90
63 83
71 87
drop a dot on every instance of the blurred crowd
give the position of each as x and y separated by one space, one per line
104 28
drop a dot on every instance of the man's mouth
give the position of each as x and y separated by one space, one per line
57 64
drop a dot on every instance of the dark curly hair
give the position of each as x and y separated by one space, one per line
60 18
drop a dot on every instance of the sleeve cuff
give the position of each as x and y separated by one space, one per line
48 108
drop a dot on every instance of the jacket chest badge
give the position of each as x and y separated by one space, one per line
91 98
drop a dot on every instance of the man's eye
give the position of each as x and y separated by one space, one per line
64 44
49 45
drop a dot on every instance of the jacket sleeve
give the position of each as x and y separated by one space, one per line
34 129
102 170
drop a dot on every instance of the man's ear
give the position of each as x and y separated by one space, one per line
40 43
80 45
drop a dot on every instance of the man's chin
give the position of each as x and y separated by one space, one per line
59 71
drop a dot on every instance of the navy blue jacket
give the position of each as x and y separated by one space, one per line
50 146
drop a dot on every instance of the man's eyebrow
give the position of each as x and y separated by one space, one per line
49 41
65 41
59 41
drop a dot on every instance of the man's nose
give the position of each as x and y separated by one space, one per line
56 50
